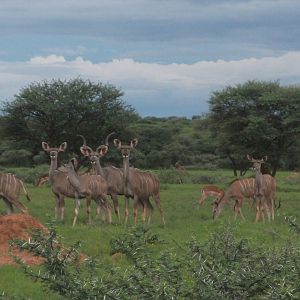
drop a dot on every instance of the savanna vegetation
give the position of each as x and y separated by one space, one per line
193 257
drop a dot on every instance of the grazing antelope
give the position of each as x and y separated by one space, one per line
63 187
139 184
238 189
113 175
210 190
10 186
264 190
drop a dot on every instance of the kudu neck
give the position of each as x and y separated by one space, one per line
53 166
98 168
126 172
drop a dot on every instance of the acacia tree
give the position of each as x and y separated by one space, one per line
259 118
57 110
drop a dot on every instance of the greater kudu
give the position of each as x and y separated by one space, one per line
264 192
113 175
10 186
139 184
240 189
90 186
62 187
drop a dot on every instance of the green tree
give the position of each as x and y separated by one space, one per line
56 111
259 118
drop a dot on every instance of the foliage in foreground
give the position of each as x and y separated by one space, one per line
222 268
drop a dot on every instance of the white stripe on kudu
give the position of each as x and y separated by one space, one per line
10 187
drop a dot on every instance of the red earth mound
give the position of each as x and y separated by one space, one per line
17 226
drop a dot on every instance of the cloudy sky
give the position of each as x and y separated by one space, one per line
168 56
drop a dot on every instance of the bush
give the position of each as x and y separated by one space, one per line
222 268
28 175
172 176
17 158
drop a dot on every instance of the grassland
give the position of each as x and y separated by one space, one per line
184 220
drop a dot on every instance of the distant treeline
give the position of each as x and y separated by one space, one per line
259 118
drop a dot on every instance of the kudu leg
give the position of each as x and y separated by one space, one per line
135 209
62 208
57 207
258 210
266 207
88 210
98 208
157 201
10 208
77 206
126 209
107 208
116 206
147 206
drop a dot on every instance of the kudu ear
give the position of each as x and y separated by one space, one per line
117 143
265 158
85 151
102 150
249 158
45 146
62 147
134 143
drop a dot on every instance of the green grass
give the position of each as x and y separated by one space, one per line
184 220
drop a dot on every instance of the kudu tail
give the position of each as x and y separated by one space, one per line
25 191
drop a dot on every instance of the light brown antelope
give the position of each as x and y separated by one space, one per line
113 175
139 184
264 191
240 189
210 191
90 186
10 186
62 187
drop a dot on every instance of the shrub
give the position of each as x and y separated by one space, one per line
17 158
173 176
222 268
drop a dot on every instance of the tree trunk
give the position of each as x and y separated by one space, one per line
234 166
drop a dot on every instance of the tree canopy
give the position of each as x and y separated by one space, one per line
56 111
256 118
259 118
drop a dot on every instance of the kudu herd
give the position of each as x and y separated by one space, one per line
261 189
66 183
133 183
102 181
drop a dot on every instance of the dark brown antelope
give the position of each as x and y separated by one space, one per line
139 184
264 192
10 187
210 191
113 175
62 187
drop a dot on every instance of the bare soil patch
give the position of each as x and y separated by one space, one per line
17 226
